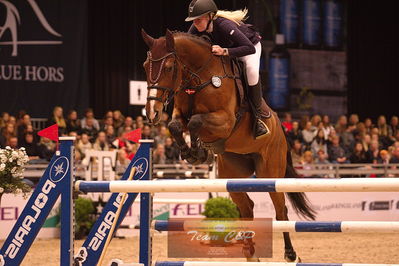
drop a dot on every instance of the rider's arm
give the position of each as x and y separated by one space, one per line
229 31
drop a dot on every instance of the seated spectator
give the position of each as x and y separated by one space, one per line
172 152
383 132
365 140
287 122
393 128
84 144
57 117
348 139
122 162
308 134
128 123
89 114
341 125
146 133
31 146
297 152
22 128
12 120
368 123
165 118
72 122
336 153
119 119
89 129
395 155
2 141
353 120
9 131
4 119
139 122
321 157
315 120
101 143
327 127
384 157
319 143
159 156
13 142
107 122
163 133
359 132
374 152
307 162
358 154
46 148
295 133
110 132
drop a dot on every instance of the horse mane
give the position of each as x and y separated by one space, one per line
201 40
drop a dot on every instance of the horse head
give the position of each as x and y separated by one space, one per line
163 73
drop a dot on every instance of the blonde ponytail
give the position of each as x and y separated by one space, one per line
237 16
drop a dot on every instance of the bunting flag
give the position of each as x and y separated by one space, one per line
134 135
50 132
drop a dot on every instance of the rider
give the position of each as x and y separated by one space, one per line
231 37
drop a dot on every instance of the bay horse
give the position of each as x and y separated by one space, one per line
181 66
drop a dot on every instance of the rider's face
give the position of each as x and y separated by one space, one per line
201 22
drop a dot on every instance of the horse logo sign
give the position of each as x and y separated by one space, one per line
13 20
59 169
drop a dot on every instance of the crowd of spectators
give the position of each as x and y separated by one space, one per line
314 140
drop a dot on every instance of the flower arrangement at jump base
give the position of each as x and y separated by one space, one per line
12 167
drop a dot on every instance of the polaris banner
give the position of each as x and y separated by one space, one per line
56 179
43 55
91 250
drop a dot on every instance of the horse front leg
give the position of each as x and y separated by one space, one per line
176 127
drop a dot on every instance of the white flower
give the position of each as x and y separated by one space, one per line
2 167
10 160
18 190
8 148
13 170
22 148
1 190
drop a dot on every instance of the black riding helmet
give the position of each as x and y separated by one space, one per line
198 8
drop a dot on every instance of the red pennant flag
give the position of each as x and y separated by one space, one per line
50 132
134 135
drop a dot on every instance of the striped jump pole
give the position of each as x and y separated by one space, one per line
215 263
244 185
281 226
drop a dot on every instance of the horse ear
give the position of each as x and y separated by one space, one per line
170 41
147 38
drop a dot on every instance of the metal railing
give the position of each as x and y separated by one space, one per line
38 123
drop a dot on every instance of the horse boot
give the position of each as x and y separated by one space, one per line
255 97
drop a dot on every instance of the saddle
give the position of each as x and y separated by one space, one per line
238 70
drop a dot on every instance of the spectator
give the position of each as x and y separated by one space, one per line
131 149
316 119
127 123
161 136
13 142
393 128
5 117
341 125
20 117
84 144
383 131
89 114
9 131
353 120
307 161
360 131
2 141
172 152
31 146
89 129
295 133
348 139
319 143
72 122
297 152
308 134
122 162
165 118
395 155
146 133
303 121
358 154
287 122
159 156
23 125
107 122
327 127
368 124
373 152
384 157
58 118
46 148
110 132
118 119
139 122
336 153
321 157
12 120
101 143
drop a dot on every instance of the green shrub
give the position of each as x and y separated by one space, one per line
84 216
220 207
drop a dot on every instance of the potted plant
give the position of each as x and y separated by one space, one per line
12 166
220 208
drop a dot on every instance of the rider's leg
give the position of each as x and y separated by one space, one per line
255 94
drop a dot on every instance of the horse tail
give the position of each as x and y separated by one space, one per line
299 201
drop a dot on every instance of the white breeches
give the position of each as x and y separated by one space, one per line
251 63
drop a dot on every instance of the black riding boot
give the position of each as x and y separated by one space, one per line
255 96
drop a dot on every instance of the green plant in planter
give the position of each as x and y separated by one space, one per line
84 217
220 208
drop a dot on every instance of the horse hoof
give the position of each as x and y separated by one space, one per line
254 259
290 256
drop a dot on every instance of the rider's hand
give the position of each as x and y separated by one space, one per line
217 50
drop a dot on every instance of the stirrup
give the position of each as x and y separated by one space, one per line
265 127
